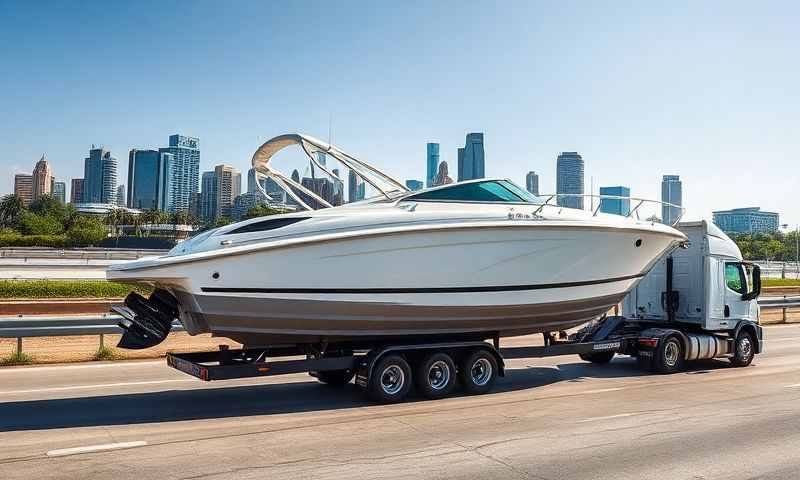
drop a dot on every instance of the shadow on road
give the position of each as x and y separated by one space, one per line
252 400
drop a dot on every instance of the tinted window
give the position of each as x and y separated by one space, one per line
471 192
264 225
734 277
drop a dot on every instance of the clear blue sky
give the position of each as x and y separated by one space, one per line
706 90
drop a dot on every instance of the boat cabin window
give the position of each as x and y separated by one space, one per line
488 191
269 224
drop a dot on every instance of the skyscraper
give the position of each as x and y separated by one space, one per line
229 186
443 175
60 192
471 161
671 192
42 179
355 187
76 191
269 185
23 188
414 185
185 170
532 183
208 196
432 163
100 177
166 185
569 179
617 206
149 179
122 201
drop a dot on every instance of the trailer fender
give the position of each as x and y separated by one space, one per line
754 329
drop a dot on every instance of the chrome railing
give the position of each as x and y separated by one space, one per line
632 212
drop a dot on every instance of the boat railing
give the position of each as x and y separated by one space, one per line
553 200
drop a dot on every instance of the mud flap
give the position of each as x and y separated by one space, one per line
146 321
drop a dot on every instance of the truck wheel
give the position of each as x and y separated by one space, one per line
599 358
390 380
743 349
669 355
478 372
335 378
435 375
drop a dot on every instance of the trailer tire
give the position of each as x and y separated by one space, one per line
435 375
743 349
669 355
478 371
335 378
599 358
390 380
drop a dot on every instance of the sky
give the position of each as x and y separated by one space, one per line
705 90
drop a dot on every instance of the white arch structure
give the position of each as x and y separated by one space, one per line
310 146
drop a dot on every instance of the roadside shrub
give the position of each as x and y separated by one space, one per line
18 240
34 224
86 231
66 289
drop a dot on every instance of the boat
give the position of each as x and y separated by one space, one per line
469 260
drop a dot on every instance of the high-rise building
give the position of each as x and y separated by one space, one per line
269 185
100 177
60 192
746 220
471 160
149 180
414 185
356 188
443 175
432 163
185 170
121 198
244 202
42 179
229 186
166 185
23 188
569 179
617 206
76 191
532 183
208 196
671 192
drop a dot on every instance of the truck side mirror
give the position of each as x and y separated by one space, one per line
756 285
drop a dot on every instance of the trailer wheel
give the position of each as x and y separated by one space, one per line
599 358
390 380
478 371
669 355
435 375
335 378
743 350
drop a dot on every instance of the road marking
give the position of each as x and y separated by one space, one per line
796 385
101 385
607 417
95 448
33 369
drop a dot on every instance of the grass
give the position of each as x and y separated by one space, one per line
780 282
16 358
66 289
107 353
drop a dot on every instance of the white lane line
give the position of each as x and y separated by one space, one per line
101 385
601 390
95 448
607 417
796 385
34 369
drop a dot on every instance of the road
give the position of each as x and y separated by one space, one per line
556 418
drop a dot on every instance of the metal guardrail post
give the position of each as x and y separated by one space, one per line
19 345
101 341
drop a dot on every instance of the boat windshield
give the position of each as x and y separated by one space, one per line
486 191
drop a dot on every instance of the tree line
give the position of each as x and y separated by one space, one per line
778 246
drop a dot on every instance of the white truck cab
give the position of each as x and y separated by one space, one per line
708 283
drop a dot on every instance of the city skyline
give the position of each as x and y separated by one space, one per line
646 117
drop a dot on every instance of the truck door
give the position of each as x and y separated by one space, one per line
735 287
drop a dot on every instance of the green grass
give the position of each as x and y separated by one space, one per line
16 358
780 282
107 353
66 289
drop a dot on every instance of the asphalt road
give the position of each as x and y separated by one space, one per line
556 418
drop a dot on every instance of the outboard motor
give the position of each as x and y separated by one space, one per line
146 321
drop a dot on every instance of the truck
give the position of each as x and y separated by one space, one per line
697 302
